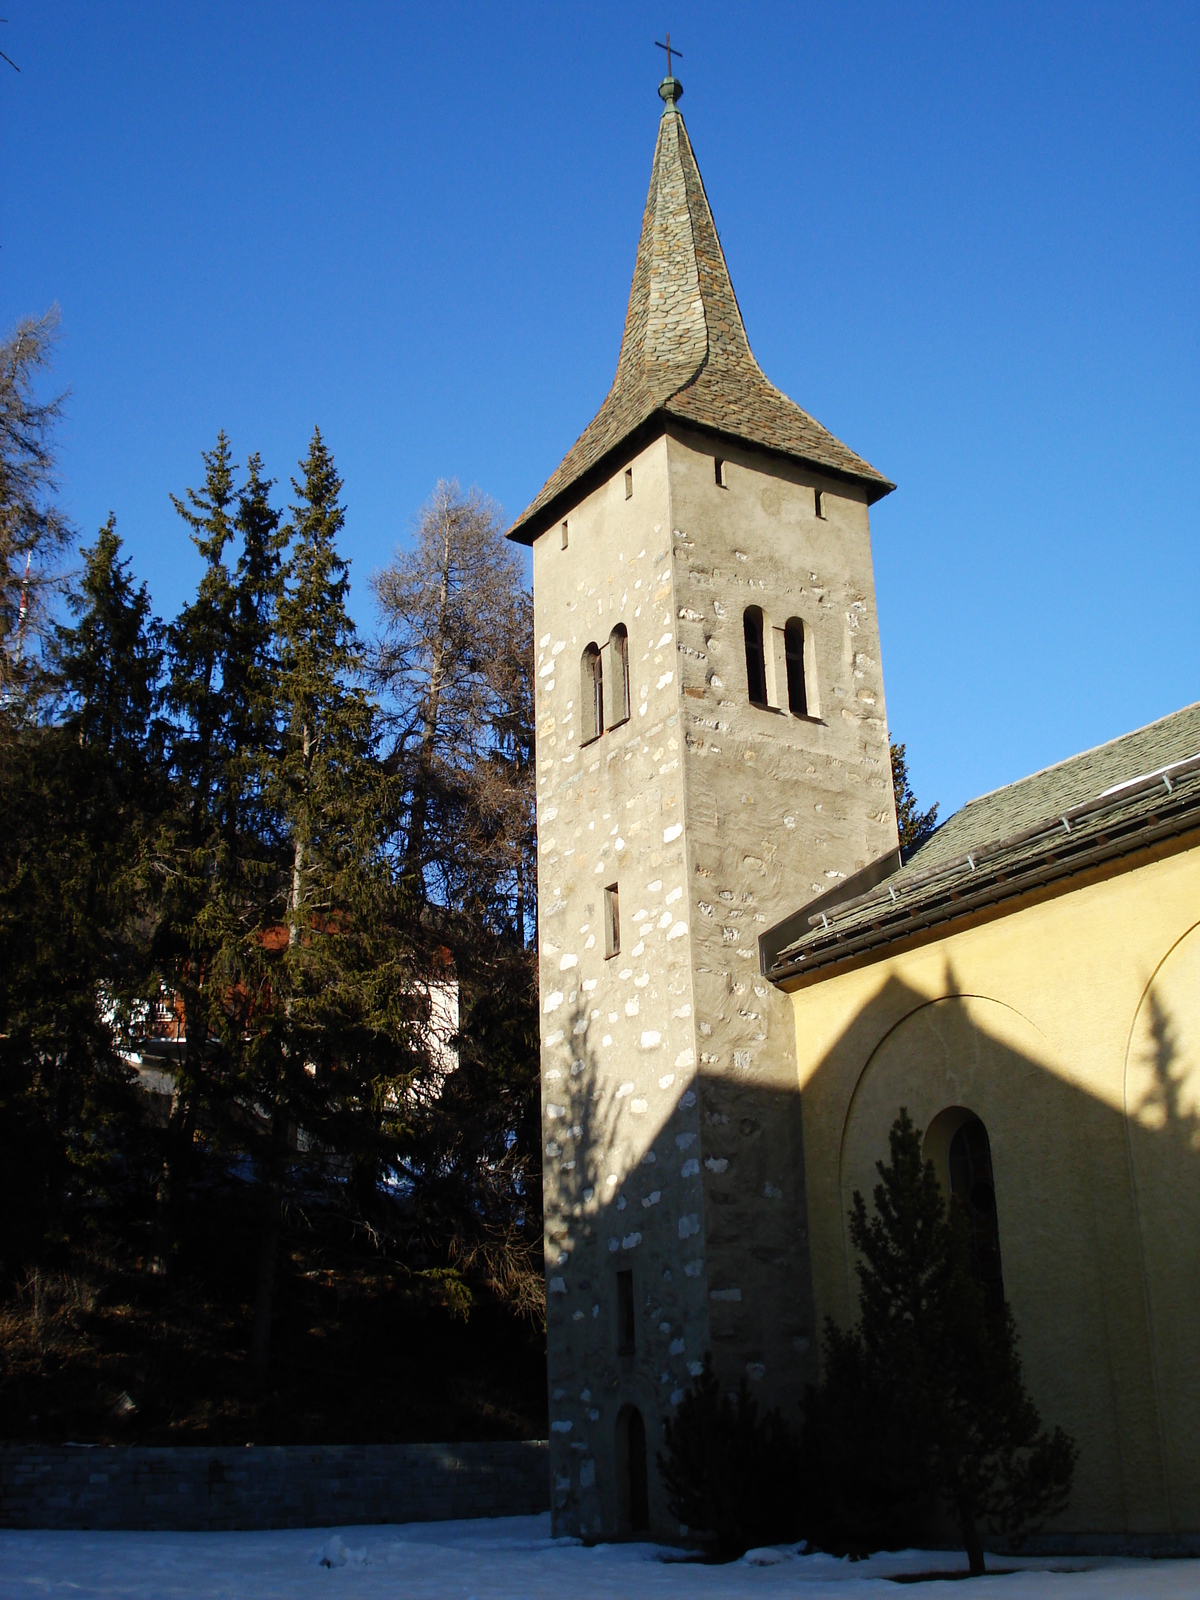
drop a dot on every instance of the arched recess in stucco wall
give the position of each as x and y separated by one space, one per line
1162 1124
979 1054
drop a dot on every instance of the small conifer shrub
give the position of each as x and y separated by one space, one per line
914 825
922 1410
732 1475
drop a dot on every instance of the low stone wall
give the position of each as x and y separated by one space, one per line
288 1486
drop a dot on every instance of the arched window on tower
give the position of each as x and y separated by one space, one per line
756 665
633 1487
793 638
615 670
591 695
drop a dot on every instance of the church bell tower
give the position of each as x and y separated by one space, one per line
712 751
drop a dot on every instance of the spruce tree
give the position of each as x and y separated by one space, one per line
191 928
322 773
923 1403
333 1047
76 892
251 689
223 873
242 848
108 669
109 664
730 1474
200 637
914 825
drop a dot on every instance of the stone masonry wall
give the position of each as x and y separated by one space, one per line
671 1114
619 1110
779 808
295 1486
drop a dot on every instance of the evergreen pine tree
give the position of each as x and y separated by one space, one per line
76 892
915 825
191 926
109 664
251 687
731 1475
323 769
242 854
224 876
333 1048
200 637
924 1402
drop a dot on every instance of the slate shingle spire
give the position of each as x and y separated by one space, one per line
684 352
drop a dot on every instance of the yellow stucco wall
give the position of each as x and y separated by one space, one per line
1071 1025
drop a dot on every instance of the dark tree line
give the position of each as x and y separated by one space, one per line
252 849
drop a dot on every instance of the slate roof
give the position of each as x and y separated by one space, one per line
1056 789
684 351
1106 802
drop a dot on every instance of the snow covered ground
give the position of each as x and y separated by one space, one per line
510 1558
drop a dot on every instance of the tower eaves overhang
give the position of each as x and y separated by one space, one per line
684 351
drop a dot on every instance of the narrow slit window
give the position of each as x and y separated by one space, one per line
626 1318
819 503
629 483
612 922
793 635
756 668
564 536
719 472
591 695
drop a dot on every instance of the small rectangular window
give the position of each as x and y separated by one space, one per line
819 503
719 472
626 1321
612 922
564 536
629 483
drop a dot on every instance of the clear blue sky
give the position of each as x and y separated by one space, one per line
965 237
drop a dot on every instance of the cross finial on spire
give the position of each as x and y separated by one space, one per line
670 88
671 51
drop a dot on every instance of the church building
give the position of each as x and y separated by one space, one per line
739 982
1028 985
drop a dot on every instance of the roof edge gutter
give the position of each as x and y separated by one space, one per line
1051 868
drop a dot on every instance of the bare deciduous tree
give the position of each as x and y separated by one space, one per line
34 533
454 664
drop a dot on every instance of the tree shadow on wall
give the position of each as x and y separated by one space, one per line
689 1188
588 1379
1164 1102
1098 1209
580 1129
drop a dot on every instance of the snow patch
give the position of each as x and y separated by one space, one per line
337 1554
